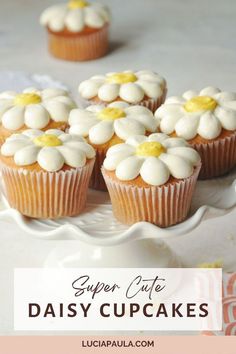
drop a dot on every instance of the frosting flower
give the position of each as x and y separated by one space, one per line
154 158
203 113
130 86
34 108
51 149
100 124
75 16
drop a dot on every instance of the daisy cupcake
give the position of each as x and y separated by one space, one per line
207 119
104 127
77 30
145 88
33 109
46 174
151 179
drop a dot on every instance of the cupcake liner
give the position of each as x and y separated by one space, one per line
79 47
218 157
97 181
163 205
47 195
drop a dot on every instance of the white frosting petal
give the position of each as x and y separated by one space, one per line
101 132
53 92
225 96
190 94
121 105
175 100
108 92
58 111
74 20
120 148
209 126
36 116
151 89
209 91
89 88
112 160
93 18
66 100
135 140
178 166
4 106
174 142
187 153
50 159
10 147
125 127
187 126
131 93
27 155
230 105
72 157
129 168
227 118
57 21
13 119
171 114
147 121
83 146
154 172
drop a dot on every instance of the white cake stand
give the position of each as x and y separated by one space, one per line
95 238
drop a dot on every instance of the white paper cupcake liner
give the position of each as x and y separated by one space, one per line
163 205
218 157
79 47
47 195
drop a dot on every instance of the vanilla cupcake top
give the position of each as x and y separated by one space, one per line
129 86
154 158
203 113
100 123
51 149
75 16
34 108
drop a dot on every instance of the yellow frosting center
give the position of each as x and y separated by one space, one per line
77 4
122 78
47 140
111 113
200 103
150 148
23 99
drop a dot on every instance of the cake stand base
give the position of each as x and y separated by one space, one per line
145 253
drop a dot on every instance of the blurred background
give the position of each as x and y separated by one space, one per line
192 43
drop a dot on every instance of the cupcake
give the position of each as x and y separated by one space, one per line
33 109
106 126
46 174
144 88
207 120
78 30
151 179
